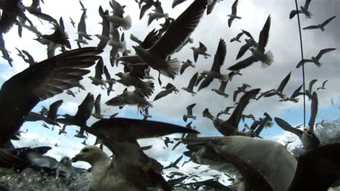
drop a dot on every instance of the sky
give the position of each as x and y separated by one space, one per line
283 43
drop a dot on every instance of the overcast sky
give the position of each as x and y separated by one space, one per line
283 42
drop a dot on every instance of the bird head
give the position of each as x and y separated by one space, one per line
90 154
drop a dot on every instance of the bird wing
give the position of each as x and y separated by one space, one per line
211 6
190 107
311 27
296 92
99 69
219 56
311 84
206 82
307 3
292 14
180 29
242 50
264 34
328 21
97 107
284 83
143 10
85 109
52 76
243 64
192 81
302 62
122 129
324 51
177 2
286 126
118 9
161 94
53 110
234 8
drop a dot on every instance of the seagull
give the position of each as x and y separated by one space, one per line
59 38
50 118
303 10
168 89
315 59
43 80
320 26
215 71
82 33
279 90
158 56
297 92
145 87
233 14
105 171
307 136
130 98
156 15
80 119
185 65
99 70
189 114
201 50
191 85
258 52
120 136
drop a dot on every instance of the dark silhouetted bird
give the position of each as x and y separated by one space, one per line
315 59
320 26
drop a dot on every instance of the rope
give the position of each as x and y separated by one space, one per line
303 66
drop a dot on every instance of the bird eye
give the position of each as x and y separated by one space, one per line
85 150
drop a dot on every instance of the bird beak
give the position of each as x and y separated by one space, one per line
76 158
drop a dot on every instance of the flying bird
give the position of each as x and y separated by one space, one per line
258 51
315 59
158 56
191 85
233 14
188 63
168 89
200 50
215 71
189 114
320 26
50 117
